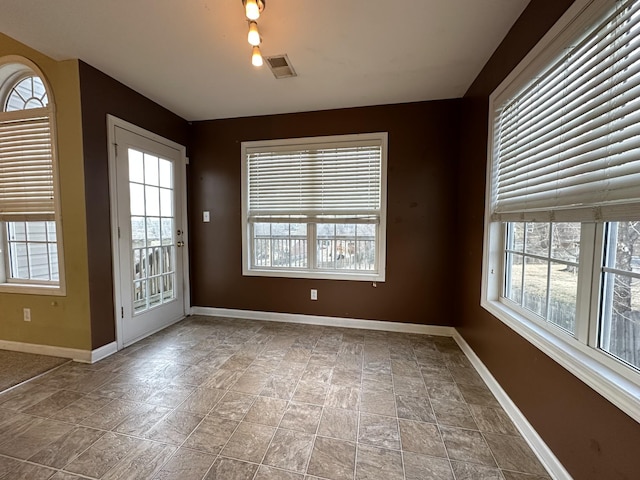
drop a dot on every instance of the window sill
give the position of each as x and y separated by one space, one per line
581 360
316 275
32 289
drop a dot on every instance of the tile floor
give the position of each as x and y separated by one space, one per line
243 400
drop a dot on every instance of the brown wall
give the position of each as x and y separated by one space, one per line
592 438
421 163
102 95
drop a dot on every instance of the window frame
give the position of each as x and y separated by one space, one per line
310 271
580 355
13 70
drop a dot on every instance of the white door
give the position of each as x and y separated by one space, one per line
149 176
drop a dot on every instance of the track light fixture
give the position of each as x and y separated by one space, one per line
252 10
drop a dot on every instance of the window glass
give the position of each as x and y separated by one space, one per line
619 326
31 249
544 279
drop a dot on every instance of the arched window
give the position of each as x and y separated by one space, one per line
28 203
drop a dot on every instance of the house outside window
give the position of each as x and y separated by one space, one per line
29 204
315 207
562 223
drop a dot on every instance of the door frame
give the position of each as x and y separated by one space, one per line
181 169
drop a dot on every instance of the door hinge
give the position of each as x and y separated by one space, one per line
118 232
115 145
121 312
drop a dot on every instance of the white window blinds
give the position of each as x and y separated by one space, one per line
26 166
567 147
315 179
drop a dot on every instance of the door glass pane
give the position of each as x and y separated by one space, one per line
152 225
166 177
136 166
151 170
136 198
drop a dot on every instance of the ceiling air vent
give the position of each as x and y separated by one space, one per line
281 66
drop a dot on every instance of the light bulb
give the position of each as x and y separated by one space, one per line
254 35
256 57
251 9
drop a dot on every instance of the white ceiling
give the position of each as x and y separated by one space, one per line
192 57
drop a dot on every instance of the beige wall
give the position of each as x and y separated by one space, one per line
62 321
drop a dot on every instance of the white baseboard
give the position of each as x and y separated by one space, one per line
84 356
325 321
103 352
539 447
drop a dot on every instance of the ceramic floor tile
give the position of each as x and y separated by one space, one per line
280 386
467 446
26 471
471 471
237 399
423 438
33 437
66 476
455 414
67 448
103 455
81 408
270 473
171 396
513 453
249 442
379 431
252 383
174 428
445 392
373 463
415 408
111 415
345 397
185 464
233 405
331 458
508 475
493 420
142 421
211 435
266 411
421 467
50 405
202 400
311 392
231 469
142 462
338 423
409 386
289 450
303 417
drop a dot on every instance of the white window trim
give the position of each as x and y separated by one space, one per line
608 377
27 287
379 275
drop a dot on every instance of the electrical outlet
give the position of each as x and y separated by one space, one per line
314 294
26 312
206 216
